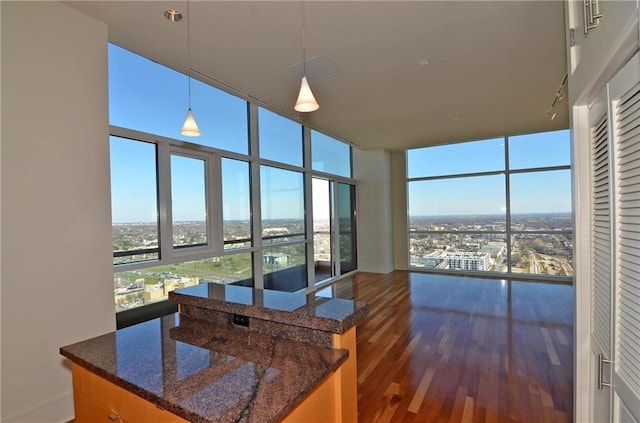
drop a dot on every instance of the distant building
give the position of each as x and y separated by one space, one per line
468 261
153 295
276 259
177 283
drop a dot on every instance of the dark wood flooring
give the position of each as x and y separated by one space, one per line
459 349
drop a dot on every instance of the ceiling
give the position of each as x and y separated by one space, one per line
494 67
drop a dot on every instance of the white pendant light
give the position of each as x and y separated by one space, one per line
190 127
306 101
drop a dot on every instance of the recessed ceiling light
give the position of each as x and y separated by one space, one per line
423 62
173 15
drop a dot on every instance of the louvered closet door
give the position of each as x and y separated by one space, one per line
601 238
624 111
601 248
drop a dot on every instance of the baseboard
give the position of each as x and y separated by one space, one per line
56 410
375 268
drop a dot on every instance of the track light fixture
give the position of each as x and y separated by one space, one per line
561 94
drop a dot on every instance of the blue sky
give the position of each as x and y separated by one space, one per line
534 192
149 97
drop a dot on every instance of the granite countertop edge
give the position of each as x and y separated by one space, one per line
322 323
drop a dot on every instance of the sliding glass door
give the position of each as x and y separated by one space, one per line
322 229
334 236
347 227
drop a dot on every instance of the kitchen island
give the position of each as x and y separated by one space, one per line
231 354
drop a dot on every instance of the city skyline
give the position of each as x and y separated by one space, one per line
567 213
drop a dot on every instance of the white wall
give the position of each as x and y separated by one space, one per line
372 169
56 228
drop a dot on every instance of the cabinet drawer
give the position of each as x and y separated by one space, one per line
87 410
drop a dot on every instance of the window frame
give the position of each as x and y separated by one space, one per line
140 251
509 233
168 145
211 175
165 148
220 219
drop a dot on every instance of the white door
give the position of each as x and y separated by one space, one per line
624 109
615 248
601 258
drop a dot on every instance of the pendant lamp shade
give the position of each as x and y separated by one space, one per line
190 127
306 101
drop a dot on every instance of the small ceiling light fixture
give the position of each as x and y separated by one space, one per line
306 102
173 15
190 127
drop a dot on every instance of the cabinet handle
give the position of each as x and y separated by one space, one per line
113 417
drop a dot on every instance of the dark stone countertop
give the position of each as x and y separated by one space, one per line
206 373
335 315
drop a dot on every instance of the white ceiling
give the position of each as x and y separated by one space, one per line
494 66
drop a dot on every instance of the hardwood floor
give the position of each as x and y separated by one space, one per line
459 349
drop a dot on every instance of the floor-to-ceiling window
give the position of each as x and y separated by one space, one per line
499 206
334 207
232 206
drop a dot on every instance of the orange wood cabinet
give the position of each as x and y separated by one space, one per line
98 400
334 401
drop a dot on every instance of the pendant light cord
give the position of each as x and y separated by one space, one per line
304 44
189 51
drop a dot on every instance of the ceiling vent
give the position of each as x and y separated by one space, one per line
317 68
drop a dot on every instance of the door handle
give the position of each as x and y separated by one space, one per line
601 362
